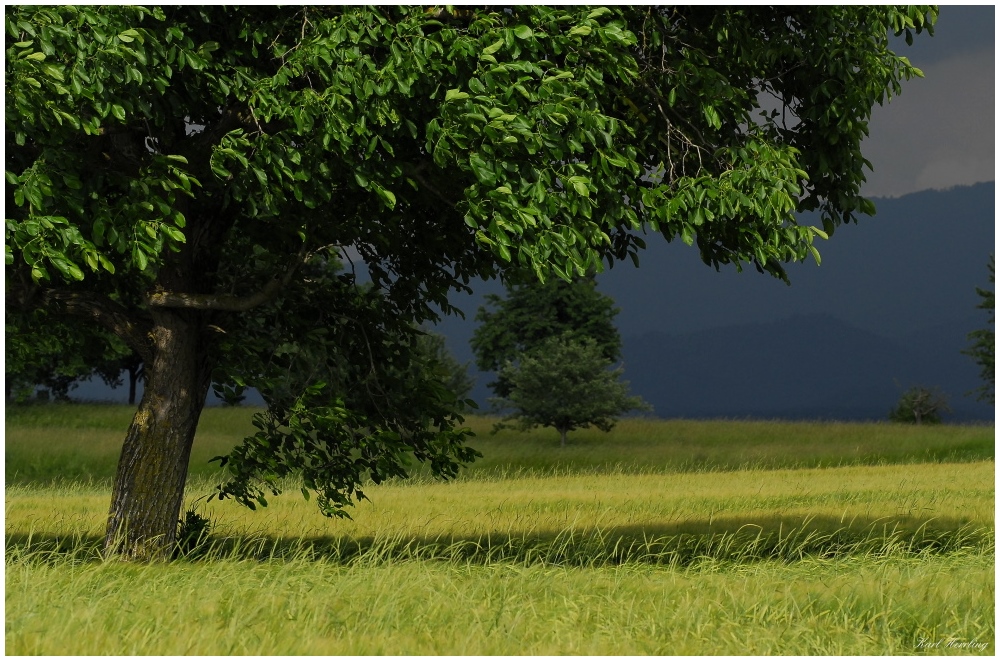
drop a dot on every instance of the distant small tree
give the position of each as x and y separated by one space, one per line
920 405
565 383
532 313
982 348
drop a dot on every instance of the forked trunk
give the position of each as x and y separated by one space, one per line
149 484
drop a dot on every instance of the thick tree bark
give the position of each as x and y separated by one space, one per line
149 485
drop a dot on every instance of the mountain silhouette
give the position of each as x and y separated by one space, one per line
803 367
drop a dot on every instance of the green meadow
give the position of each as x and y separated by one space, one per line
662 537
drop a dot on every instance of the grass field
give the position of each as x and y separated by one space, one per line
663 537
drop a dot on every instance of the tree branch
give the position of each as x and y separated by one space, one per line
228 302
108 314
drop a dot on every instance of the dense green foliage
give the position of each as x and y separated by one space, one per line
189 179
437 358
61 356
983 347
534 312
565 383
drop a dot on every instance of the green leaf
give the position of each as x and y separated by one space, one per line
174 233
523 32
580 185
118 112
387 196
455 95
580 31
818 232
816 255
37 56
489 50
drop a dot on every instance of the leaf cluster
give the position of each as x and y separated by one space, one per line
42 350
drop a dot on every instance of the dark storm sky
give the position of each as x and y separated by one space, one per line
940 131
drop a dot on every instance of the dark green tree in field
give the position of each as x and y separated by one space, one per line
190 179
533 312
984 345
919 406
566 383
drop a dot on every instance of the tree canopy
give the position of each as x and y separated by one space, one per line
191 179
566 383
533 312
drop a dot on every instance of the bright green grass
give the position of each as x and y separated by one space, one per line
866 606
82 442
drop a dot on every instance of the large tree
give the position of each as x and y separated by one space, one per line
187 178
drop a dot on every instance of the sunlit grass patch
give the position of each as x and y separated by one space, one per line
601 518
666 537
303 606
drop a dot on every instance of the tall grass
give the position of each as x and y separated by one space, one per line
584 520
82 442
302 606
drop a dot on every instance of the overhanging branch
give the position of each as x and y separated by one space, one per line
108 314
228 302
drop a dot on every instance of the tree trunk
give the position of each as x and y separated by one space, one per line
562 437
152 470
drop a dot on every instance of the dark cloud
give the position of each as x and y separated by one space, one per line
959 30
940 132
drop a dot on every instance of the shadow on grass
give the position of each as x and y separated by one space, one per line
678 545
